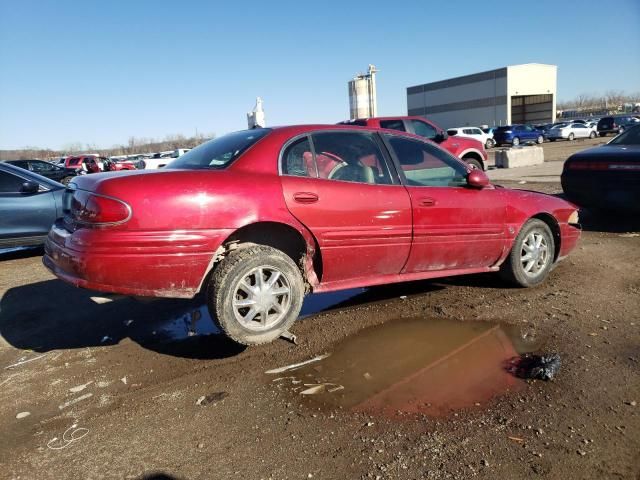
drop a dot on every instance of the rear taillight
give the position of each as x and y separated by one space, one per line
602 166
91 209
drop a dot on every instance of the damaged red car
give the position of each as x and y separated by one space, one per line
256 219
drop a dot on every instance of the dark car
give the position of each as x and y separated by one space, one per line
29 205
606 177
47 169
616 124
516 134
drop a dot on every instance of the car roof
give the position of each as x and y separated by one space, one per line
21 172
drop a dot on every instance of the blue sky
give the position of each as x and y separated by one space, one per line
99 72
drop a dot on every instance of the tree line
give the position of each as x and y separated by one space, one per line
610 100
134 145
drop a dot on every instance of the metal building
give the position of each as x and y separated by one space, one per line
362 95
515 94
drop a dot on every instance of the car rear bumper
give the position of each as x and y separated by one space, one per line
157 264
603 190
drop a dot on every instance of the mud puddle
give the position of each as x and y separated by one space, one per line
432 367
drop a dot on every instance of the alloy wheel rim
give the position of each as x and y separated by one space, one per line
261 298
534 255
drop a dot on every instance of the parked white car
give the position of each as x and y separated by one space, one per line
570 131
473 132
159 160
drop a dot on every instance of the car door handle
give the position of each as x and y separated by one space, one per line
427 202
305 197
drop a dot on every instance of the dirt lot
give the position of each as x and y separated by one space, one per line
116 387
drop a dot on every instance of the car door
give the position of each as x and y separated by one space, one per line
24 216
454 227
339 184
580 130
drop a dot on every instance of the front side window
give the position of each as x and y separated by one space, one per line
424 129
10 183
42 167
297 159
426 165
393 125
350 157
219 152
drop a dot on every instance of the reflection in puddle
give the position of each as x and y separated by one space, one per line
416 365
197 321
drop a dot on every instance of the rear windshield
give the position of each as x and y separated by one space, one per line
629 137
219 152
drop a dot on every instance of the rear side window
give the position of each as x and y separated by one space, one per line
297 159
350 157
219 152
10 183
393 125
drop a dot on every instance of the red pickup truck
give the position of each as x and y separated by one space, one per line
467 149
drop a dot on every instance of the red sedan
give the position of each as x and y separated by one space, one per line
258 218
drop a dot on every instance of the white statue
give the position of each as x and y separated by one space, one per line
255 118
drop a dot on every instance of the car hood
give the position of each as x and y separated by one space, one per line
609 152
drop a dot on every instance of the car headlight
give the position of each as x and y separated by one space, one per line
574 218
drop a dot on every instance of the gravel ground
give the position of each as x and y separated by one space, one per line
116 388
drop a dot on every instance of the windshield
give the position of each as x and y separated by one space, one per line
219 152
630 137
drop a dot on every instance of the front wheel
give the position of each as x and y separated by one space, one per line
515 142
571 137
540 139
531 256
592 135
473 163
255 294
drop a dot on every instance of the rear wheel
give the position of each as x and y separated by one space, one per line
571 137
515 142
603 134
540 139
255 294
531 256
592 135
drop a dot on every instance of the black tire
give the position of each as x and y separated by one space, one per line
475 164
224 287
592 135
540 139
512 269
552 139
603 134
515 142
66 180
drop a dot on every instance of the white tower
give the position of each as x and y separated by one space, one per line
255 118
362 95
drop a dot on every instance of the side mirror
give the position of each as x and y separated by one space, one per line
440 137
30 187
477 179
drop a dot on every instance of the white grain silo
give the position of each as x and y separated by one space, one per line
362 95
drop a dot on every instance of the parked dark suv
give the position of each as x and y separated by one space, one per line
616 124
47 169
